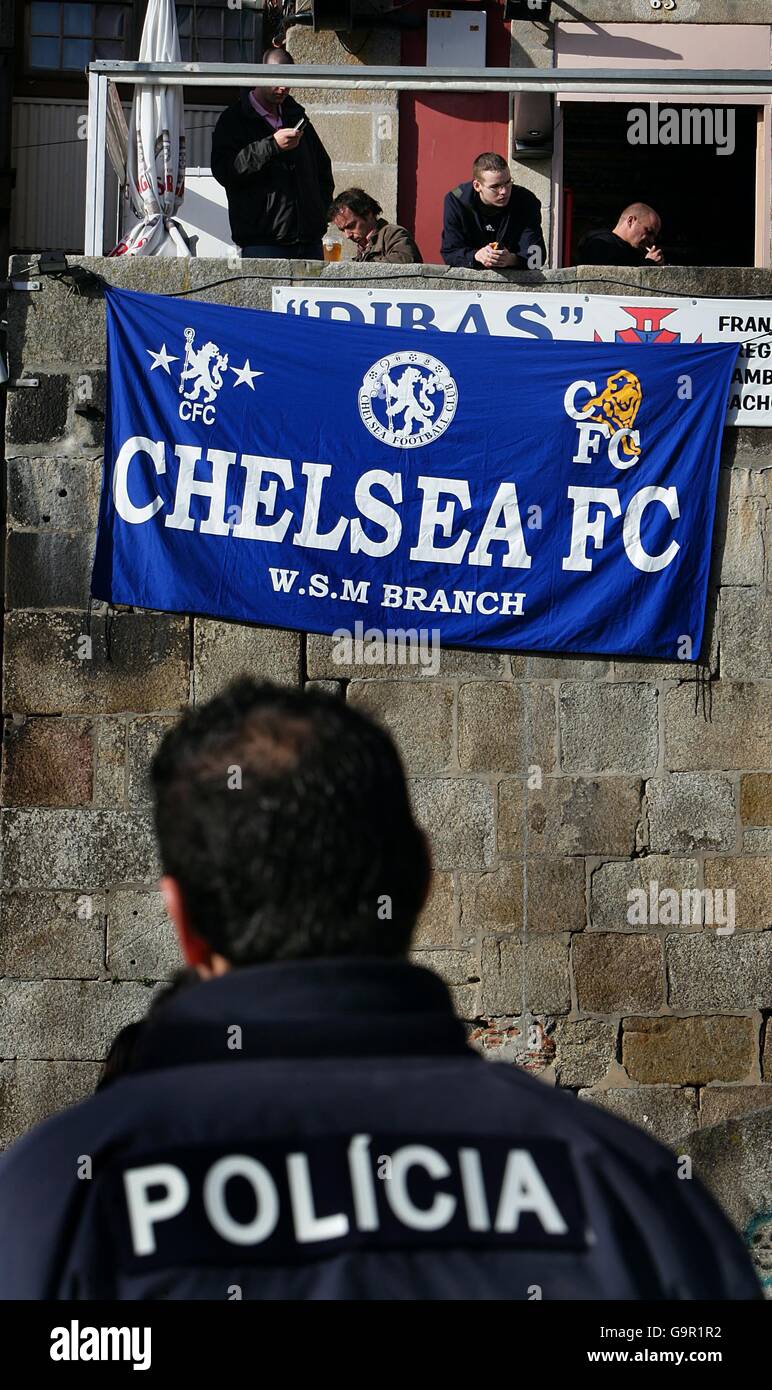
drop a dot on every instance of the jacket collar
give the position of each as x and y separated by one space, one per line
464 192
290 108
374 247
347 1007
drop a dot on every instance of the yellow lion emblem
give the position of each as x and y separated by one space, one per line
617 406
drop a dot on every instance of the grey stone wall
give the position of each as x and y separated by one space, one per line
651 771
360 129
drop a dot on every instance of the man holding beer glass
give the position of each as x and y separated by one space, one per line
357 216
275 170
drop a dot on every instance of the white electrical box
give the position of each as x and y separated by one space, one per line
455 39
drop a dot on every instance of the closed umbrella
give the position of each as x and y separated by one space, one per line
155 166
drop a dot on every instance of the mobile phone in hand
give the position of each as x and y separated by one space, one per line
301 125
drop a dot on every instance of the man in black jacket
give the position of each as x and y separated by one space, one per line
489 224
308 1120
633 241
275 170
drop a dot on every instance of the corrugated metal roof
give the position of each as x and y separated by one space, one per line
49 154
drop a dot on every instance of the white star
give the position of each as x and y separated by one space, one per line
244 375
161 359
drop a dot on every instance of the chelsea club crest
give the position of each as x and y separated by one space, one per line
407 399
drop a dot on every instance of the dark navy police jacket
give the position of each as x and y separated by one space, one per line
322 1130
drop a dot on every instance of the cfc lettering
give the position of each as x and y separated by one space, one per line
196 410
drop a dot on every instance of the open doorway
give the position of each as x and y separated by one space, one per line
707 201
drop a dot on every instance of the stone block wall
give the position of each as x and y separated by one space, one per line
550 786
359 128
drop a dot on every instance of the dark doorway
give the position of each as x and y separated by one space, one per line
707 201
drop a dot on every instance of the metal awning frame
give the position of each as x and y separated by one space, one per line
670 81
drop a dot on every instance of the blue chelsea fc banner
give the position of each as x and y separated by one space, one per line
545 496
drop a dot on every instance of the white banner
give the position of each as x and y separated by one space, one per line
597 318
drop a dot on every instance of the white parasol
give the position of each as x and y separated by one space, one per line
155 166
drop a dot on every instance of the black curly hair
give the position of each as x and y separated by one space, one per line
357 201
284 816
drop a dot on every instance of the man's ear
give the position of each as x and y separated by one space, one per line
194 949
429 869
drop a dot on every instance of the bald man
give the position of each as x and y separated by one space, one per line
634 240
275 171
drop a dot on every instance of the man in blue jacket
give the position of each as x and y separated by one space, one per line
489 224
308 1121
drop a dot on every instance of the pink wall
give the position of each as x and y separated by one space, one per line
663 46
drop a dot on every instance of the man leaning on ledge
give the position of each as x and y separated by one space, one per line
358 217
633 241
490 223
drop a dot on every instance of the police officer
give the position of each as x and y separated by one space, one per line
308 1121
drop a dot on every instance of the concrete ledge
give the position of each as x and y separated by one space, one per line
48 330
